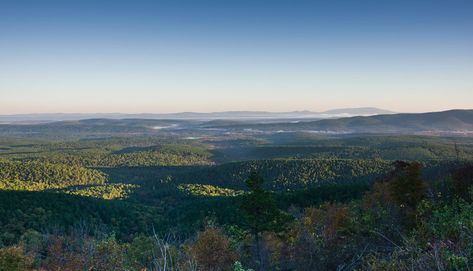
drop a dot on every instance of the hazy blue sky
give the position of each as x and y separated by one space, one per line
167 56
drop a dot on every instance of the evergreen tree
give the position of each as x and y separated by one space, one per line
260 211
407 190
407 187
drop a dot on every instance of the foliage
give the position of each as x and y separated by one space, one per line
21 211
289 174
407 187
209 190
108 191
259 208
212 251
462 181
329 203
156 155
261 213
13 259
237 266
35 176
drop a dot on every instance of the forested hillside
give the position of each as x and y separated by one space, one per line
41 176
329 201
289 174
453 121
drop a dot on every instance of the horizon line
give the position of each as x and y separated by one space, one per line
228 111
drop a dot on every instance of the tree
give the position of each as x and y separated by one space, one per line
260 211
14 259
462 181
110 255
212 251
407 190
407 187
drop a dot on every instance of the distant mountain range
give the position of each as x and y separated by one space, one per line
452 121
344 112
447 122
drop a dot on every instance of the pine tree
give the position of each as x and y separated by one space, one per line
260 211
407 187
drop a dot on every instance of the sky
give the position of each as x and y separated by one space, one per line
143 56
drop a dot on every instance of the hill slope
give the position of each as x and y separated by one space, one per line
447 121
